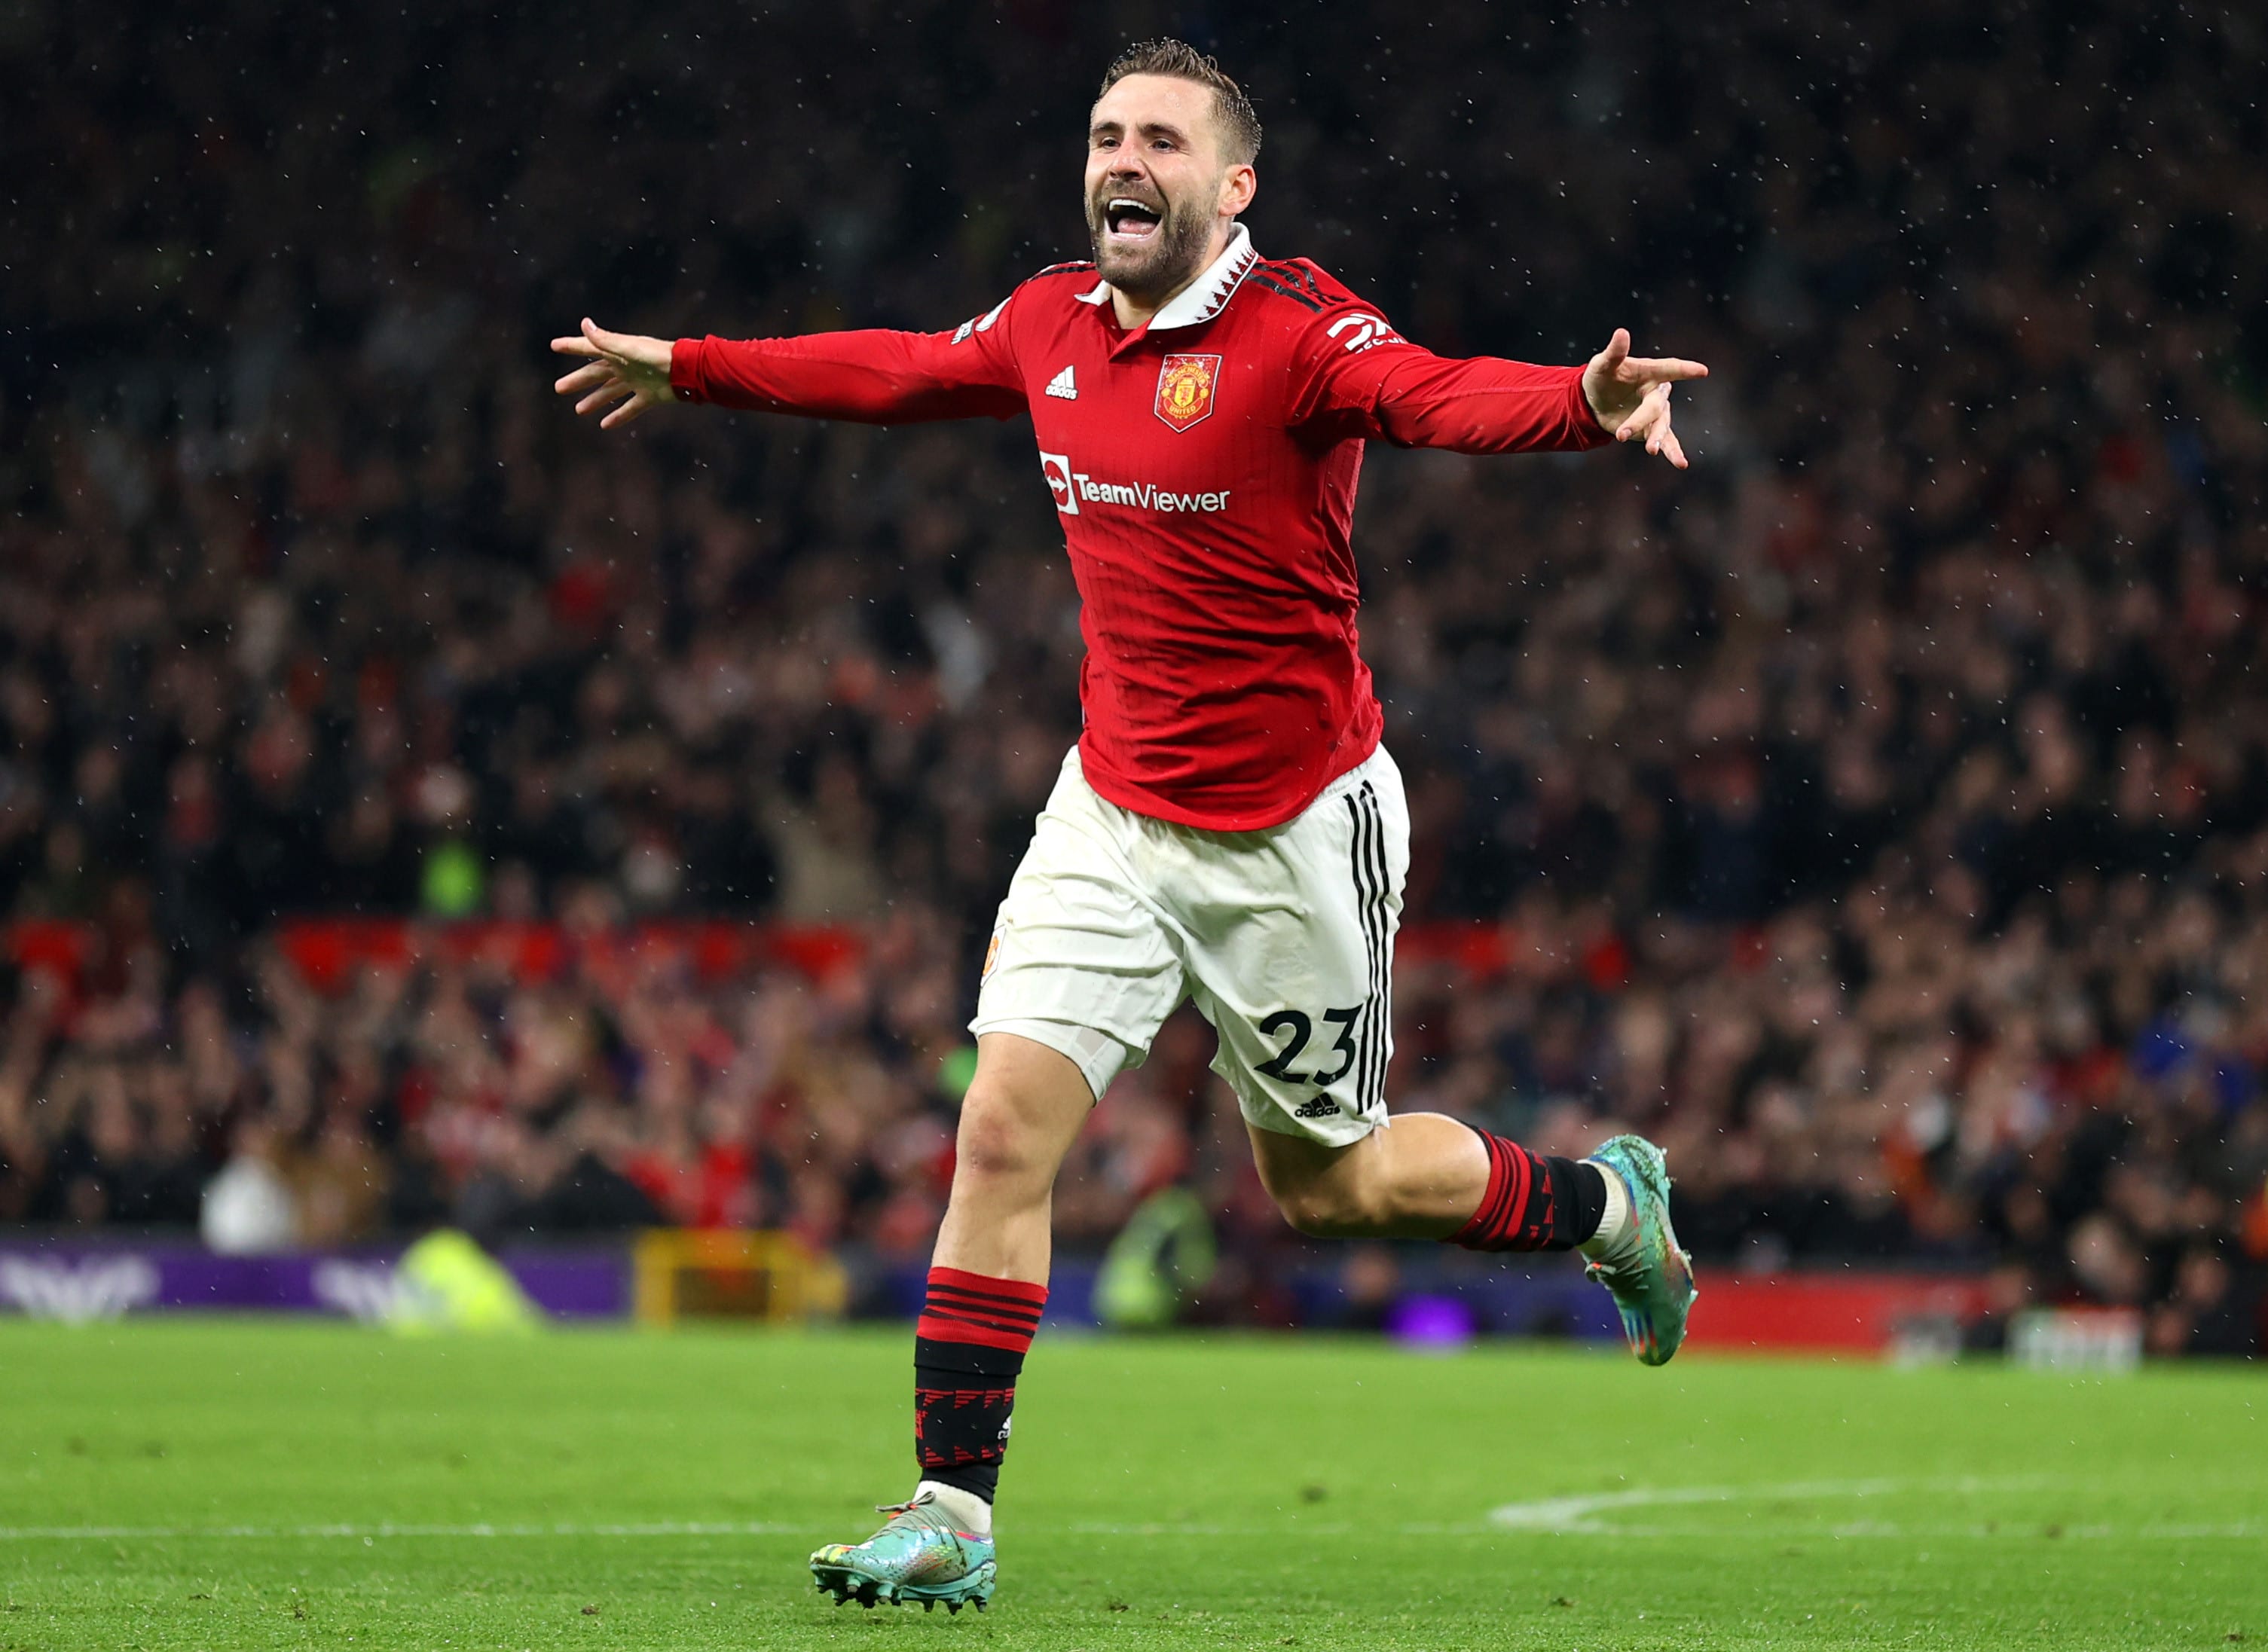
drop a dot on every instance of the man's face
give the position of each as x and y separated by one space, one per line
1154 175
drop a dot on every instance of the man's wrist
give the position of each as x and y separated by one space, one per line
685 370
1607 425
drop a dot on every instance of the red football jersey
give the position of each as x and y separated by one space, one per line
1203 471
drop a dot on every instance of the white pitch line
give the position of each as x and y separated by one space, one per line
1578 1514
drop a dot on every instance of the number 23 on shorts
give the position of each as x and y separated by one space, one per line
1279 1067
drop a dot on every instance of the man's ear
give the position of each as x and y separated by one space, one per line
1238 185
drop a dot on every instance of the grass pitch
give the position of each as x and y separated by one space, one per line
217 1485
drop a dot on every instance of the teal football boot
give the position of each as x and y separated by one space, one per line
918 1556
1649 1277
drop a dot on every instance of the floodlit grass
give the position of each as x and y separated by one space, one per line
218 1485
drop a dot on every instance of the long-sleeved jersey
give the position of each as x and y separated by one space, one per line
1204 472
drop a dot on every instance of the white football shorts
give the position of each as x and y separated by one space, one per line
1283 937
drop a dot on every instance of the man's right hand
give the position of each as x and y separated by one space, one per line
624 368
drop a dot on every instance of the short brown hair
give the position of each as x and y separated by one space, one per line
1240 127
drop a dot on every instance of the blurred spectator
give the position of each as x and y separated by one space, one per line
248 1207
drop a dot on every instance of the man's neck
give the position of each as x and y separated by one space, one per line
1134 312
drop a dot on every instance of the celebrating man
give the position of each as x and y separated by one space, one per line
1228 829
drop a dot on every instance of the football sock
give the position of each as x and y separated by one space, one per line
968 1350
1533 1202
1616 1230
966 1511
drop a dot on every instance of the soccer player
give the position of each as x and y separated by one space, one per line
1228 829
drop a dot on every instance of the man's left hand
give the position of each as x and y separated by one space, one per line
1630 395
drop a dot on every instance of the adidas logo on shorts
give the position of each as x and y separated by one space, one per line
1322 1107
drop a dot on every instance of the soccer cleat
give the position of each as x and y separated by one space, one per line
1650 1279
918 1556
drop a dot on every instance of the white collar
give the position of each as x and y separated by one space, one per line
1205 298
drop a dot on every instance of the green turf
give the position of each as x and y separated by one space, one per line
230 1484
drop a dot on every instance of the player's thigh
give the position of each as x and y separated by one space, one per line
1298 983
1081 960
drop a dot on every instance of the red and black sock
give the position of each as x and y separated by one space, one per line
1533 1202
968 1350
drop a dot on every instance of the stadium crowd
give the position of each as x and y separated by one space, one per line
1877 814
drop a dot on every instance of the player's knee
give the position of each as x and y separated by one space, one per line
995 1145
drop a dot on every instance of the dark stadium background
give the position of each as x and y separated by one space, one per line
1877 814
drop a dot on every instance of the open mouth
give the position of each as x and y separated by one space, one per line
1127 219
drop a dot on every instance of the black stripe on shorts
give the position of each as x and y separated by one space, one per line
1367 855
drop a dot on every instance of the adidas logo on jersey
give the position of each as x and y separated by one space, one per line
1063 385
1322 1107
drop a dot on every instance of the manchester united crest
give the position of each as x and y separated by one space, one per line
1185 385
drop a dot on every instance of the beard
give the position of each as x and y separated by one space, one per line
1148 271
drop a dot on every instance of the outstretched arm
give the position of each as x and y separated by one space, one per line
1487 405
873 377
1361 378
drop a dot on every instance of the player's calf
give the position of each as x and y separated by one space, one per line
1346 1208
1418 1176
